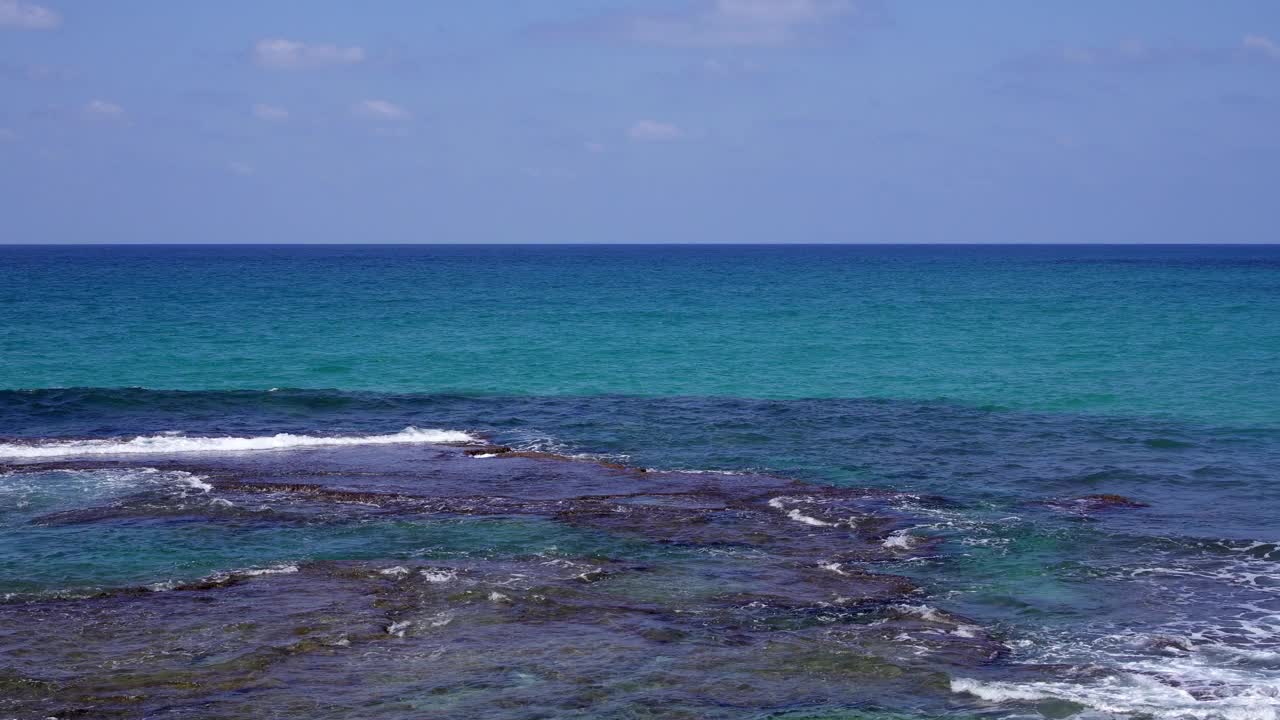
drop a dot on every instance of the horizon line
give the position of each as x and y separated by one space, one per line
648 244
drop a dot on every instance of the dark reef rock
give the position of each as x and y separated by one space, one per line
663 593
1087 504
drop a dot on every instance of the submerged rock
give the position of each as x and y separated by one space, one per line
1086 504
529 587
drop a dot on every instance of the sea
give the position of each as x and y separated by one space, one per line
653 481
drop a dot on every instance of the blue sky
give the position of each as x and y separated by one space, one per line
640 121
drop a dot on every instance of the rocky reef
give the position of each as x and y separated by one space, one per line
582 589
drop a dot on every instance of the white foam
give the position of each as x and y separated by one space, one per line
807 520
51 488
1216 668
439 576
1140 694
900 540
590 575
173 444
780 503
999 691
219 577
834 567
274 570
687 471
193 481
924 612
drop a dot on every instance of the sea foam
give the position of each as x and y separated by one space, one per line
1222 694
174 444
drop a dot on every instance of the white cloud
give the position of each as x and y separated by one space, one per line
1262 45
27 16
270 113
282 54
734 23
379 110
654 131
103 108
241 168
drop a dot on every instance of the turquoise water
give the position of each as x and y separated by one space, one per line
1185 332
1011 482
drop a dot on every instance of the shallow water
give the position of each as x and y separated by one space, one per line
999 529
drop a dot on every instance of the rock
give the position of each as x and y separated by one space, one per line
1107 500
1086 504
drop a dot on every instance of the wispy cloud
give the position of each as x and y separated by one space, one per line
728 23
398 131
104 109
1263 46
1139 55
22 15
282 54
722 68
655 131
7 135
244 169
36 72
379 110
270 113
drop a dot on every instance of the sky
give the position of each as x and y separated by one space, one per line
639 121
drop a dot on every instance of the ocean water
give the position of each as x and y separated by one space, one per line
634 482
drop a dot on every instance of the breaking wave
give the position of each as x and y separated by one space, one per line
174 444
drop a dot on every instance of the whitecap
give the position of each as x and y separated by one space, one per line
221 577
1143 694
924 612
780 503
171 444
195 482
50 488
688 471
807 520
900 540
273 570
834 567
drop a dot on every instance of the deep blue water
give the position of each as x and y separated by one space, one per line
1178 331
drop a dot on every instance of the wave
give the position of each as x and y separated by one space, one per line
176 444
1216 658
1172 689
224 577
